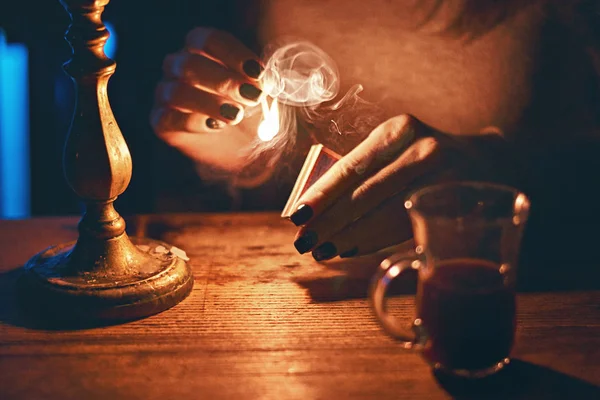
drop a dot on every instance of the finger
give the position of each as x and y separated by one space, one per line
385 143
206 74
193 100
225 48
165 120
420 159
384 226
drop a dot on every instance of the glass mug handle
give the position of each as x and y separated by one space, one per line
389 269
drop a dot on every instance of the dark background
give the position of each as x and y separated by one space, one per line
563 231
146 32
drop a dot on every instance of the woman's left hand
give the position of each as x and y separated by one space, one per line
357 206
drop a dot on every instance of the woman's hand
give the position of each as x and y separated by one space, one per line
357 206
200 104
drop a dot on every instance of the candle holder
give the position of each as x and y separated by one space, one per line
105 275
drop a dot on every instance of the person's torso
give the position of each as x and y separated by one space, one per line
515 76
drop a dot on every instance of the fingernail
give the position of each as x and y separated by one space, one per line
302 214
229 111
350 253
214 124
253 69
306 242
250 92
324 252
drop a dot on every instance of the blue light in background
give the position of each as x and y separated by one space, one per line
110 48
14 130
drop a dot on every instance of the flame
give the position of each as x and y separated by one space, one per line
269 126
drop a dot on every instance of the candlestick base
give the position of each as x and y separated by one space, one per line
78 283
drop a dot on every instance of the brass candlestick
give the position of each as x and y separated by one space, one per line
104 275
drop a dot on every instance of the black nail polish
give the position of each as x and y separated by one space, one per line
252 68
324 252
214 124
306 242
302 214
350 253
250 92
229 111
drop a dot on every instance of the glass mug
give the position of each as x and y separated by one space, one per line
467 238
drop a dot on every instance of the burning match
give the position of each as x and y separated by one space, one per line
269 126
299 75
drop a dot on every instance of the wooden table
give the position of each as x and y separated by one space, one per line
266 323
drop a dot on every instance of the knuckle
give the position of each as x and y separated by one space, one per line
349 168
426 148
424 151
398 128
391 126
394 136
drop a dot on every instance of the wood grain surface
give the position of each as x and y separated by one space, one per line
266 323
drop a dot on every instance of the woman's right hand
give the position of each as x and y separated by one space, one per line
199 104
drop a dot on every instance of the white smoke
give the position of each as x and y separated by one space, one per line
305 80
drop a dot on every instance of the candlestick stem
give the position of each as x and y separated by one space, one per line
104 275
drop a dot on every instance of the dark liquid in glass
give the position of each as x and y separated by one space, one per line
468 314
